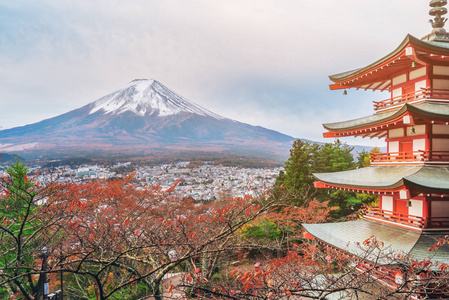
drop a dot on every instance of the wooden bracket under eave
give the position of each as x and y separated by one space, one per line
329 135
337 86
410 52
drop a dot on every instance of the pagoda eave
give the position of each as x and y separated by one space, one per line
396 238
358 189
377 125
363 133
411 54
389 179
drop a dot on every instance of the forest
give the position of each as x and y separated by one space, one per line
111 240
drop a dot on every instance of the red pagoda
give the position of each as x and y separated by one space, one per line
412 177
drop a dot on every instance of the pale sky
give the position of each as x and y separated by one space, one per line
262 62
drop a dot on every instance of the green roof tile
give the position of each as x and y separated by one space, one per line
426 178
346 235
429 109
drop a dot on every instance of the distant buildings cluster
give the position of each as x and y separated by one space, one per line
204 182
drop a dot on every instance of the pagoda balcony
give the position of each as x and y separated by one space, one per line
412 97
410 157
377 214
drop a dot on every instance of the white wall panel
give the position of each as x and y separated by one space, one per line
399 79
387 203
440 70
417 73
440 129
395 133
419 144
393 147
441 84
420 84
419 130
416 209
440 144
397 92
439 209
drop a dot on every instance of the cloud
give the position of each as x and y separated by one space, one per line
259 61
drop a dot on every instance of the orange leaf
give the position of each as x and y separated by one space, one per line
233 272
171 288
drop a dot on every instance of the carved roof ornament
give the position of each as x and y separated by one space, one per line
438 11
438 33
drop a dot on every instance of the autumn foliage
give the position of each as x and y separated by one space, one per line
112 237
118 240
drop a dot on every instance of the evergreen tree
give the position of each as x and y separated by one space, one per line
334 157
297 179
18 233
305 159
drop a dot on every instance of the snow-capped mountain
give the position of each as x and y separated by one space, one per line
146 97
141 118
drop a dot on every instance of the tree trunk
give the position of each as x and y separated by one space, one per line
158 291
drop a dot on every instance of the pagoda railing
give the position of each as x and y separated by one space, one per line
415 156
422 94
395 217
406 219
382 274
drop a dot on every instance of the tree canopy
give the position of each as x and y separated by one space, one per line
307 158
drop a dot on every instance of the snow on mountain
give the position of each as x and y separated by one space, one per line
147 97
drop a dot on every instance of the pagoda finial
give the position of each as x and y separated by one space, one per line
438 10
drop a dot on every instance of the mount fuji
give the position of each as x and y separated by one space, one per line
139 119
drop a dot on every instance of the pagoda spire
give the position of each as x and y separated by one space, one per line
438 11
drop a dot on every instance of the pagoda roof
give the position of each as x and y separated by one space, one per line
374 76
346 235
428 109
433 179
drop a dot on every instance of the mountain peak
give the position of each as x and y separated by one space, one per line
147 97
140 119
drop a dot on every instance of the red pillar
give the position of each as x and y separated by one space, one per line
426 208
